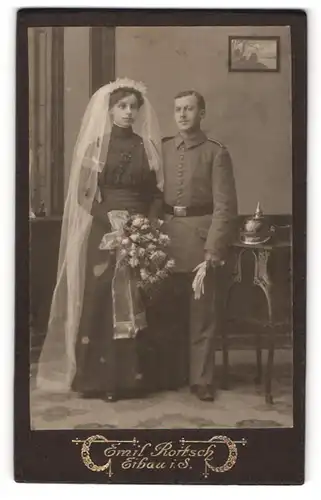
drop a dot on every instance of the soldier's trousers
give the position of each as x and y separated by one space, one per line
193 326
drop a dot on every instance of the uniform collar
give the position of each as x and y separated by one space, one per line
191 141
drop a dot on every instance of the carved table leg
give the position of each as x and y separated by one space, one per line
262 279
236 278
269 369
258 378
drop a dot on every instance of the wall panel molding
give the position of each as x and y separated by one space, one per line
102 57
46 120
57 117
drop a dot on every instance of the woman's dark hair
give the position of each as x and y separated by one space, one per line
199 97
122 92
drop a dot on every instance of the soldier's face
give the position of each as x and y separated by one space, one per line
188 116
125 111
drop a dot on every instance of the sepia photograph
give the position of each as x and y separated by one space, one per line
160 220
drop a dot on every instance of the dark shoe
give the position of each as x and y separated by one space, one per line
109 397
204 393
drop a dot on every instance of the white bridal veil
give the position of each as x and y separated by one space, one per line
56 366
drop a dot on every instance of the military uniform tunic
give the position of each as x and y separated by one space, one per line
198 172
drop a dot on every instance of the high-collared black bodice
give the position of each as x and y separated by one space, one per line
126 181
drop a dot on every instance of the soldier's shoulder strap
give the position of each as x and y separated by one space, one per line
216 142
166 139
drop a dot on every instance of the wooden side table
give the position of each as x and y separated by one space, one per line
266 281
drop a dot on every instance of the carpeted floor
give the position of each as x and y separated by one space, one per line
243 405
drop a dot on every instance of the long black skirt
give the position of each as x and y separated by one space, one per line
121 367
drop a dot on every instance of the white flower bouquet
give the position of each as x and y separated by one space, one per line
142 247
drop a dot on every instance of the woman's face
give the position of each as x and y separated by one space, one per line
125 111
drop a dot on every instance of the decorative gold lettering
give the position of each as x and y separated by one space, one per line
209 452
124 453
162 449
86 458
160 465
170 455
127 464
111 451
184 464
232 455
146 445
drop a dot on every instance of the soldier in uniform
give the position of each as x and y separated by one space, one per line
200 206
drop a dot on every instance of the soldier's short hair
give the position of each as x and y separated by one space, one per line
199 97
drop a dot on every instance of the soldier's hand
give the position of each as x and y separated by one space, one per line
212 259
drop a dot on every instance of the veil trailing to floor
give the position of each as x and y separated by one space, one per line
57 366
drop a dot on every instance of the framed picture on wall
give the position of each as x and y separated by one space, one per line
254 54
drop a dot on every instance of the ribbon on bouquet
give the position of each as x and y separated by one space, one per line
118 219
128 311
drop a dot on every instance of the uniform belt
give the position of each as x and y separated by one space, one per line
197 210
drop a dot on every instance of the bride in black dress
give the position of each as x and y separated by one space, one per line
92 345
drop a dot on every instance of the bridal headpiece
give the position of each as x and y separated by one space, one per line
127 83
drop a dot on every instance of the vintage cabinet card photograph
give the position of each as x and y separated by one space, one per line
160 327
